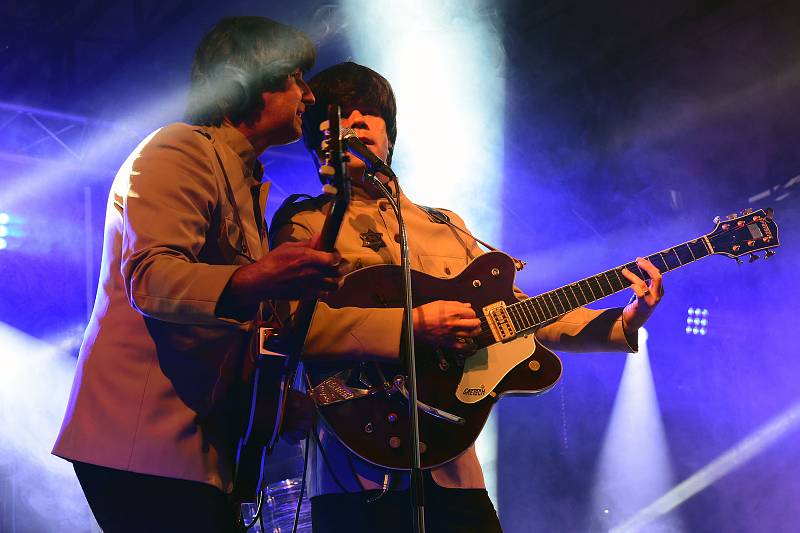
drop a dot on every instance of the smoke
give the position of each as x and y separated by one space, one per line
327 23
40 491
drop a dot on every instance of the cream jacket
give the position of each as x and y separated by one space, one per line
355 333
152 389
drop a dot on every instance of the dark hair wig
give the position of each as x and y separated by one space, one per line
239 59
351 86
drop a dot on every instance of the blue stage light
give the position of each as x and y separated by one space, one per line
3 231
4 218
3 244
695 325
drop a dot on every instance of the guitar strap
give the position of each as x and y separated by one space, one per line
440 218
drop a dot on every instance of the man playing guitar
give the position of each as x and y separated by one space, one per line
348 493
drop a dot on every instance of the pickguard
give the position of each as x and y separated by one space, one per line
488 366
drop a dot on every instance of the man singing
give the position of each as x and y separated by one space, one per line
151 423
344 489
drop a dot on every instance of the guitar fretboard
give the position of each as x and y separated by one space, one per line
531 313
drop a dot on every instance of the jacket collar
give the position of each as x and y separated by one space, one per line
238 143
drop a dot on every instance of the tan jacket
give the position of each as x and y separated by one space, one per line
436 249
156 367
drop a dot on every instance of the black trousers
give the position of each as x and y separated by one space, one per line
125 502
446 511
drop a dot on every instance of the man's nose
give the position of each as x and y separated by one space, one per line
355 120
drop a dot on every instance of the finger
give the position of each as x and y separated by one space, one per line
640 290
315 240
465 324
332 259
466 313
656 287
638 286
648 267
630 276
467 333
461 309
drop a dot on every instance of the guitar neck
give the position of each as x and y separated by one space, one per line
531 313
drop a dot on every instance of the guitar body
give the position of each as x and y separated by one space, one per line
264 404
365 404
277 354
376 427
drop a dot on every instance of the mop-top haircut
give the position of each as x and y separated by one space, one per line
239 59
352 86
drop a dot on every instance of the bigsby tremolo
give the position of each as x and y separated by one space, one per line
499 322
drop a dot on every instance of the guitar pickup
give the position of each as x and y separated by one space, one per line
499 322
267 339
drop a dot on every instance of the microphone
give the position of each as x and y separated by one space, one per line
360 150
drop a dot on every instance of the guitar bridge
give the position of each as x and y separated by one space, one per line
499 322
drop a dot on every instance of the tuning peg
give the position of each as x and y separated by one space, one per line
738 261
717 219
769 254
754 257
747 211
731 216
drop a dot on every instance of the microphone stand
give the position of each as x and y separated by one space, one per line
417 486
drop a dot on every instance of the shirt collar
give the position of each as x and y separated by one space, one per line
361 194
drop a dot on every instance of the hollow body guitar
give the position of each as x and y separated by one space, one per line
277 353
366 404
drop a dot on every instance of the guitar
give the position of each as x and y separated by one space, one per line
278 353
367 405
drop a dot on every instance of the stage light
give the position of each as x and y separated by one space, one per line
4 218
446 64
34 387
697 321
740 453
436 54
3 244
634 464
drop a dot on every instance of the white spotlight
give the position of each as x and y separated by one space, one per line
634 463
446 63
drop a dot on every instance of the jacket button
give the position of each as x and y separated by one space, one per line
382 206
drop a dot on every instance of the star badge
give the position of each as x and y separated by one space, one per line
372 239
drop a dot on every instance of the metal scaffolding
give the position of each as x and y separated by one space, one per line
35 136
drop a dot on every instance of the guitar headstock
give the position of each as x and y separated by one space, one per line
748 233
331 171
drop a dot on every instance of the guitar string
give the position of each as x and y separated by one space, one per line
486 334
523 314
